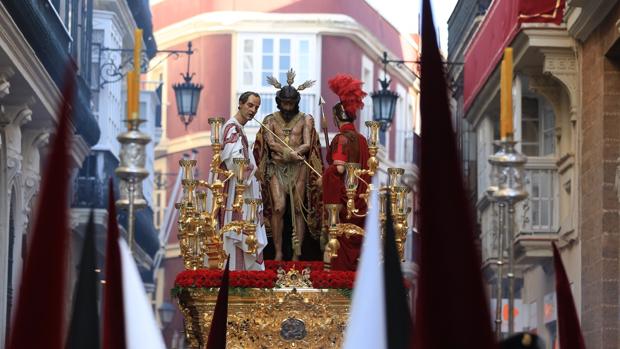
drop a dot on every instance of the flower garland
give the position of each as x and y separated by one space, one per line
210 278
332 279
207 278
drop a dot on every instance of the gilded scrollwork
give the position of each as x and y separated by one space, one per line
266 318
294 278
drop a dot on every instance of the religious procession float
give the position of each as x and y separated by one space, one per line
275 303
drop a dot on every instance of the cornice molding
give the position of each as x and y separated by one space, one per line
173 250
229 22
25 61
183 143
585 15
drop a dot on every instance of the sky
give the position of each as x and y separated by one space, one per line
403 14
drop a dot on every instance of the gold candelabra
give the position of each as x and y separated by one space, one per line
199 234
398 205
353 172
397 193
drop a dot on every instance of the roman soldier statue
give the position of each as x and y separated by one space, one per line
347 146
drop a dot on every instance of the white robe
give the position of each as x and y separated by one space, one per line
234 243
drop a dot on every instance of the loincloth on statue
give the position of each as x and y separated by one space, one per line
287 175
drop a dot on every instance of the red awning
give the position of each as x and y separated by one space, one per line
499 27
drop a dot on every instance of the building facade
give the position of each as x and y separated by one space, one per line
565 119
40 42
237 46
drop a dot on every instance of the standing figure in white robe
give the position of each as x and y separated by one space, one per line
235 145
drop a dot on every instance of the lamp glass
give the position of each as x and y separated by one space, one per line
187 96
166 312
384 105
351 180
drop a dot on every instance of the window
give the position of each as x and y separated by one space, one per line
538 127
66 10
403 119
89 167
368 79
264 55
97 42
540 212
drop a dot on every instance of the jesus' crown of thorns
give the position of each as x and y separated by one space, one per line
290 78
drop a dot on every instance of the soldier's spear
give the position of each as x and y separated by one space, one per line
324 122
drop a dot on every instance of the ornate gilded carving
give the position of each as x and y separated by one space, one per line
293 278
265 318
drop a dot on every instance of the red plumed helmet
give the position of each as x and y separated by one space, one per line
349 90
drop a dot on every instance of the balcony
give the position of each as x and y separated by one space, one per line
538 215
536 218
89 192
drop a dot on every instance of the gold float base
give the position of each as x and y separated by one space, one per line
269 318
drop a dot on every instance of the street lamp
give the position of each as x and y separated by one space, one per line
166 313
384 100
187 94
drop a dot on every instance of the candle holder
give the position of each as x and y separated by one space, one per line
351 183
353 175
250 224
240 166
400 211
397 194
394 176
216 145
373 136
333 219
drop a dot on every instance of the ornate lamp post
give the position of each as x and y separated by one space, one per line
166 313
384 100
187 94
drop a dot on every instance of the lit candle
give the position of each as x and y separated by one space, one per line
137 50
506 126
130 93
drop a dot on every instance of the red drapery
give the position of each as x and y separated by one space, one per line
499 27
